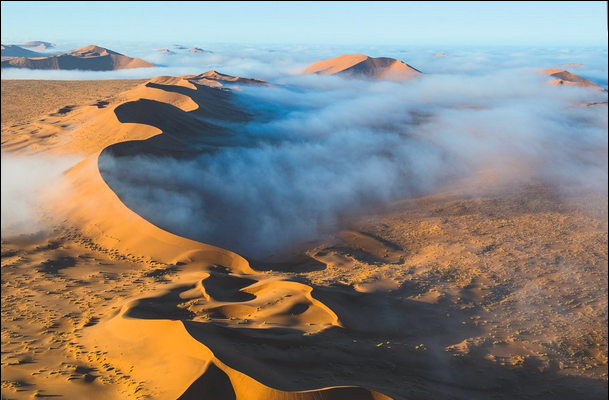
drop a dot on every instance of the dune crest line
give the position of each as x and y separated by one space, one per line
216 285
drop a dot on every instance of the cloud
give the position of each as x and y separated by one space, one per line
323 149
28 183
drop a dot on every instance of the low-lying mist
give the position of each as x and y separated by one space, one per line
28 184
322 149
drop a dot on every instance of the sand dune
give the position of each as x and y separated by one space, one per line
38 45
165 51
224 291
214 78
93 58
197 50
564 77
361 66
11 50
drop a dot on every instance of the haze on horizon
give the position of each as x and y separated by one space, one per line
358 23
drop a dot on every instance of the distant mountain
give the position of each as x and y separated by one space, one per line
92 58
362 66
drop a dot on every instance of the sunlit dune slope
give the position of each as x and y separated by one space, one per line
362 66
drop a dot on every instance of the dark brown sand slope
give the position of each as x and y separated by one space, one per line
497 294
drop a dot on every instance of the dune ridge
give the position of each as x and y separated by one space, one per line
90 58
218 289
362 66
564 77
10 51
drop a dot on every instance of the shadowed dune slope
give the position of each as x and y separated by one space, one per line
11 50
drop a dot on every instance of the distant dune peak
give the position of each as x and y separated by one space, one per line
12 50
440 55
38 45
165 51
197 50
93 51
215 78
564 77
363 66
88 58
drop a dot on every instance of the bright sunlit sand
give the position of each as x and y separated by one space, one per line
306 209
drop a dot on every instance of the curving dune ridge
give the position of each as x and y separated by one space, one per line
194 322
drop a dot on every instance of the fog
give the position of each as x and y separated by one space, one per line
323 149
28 184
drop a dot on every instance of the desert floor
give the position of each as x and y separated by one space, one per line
464 294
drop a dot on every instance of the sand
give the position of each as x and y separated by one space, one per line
25 101
564 77
88 58
458 295
362 66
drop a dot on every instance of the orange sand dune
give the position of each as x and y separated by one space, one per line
359 65
214 78
93 58
95 126
564 77
190 324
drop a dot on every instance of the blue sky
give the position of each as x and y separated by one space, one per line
559 23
